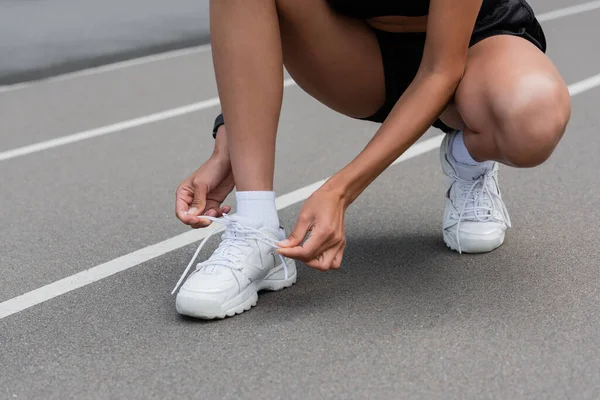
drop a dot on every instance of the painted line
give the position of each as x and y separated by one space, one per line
94 274
574 89
179 111
112 67
584 85
130 260
568 11
114 128
99 272
544 17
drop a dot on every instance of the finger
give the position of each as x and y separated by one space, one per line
211 213
212 205
183 200
224 210
324 261
337 260
298 233
194 221
197 206
309 250
215 213
181 208
319 241
199 222
199 202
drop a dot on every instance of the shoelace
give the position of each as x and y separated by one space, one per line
483 202
236 235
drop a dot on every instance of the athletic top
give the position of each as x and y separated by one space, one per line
380 8
364 9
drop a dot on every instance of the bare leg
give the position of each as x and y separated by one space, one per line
249 72
512 103
513 107
345 72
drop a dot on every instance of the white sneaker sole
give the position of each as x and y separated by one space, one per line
188 304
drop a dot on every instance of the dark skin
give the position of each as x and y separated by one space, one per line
449 28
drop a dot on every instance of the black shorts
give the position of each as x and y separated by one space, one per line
402 52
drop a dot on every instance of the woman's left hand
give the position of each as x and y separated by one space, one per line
323 216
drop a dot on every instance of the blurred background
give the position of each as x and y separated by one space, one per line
41 38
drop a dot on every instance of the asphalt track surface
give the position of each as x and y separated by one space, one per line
404 318
39 39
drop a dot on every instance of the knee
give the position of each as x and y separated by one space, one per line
532 121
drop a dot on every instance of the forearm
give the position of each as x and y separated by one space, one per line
249 71
413 114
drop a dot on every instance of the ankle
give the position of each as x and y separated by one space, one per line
461 154
259 206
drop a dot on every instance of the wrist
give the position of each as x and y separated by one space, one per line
351 181
221 149
221 157
340 187
218 163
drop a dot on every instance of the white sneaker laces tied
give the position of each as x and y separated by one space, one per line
236 237
480 203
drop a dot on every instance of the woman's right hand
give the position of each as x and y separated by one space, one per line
203 192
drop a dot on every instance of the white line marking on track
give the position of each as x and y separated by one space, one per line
575 88
112 67
118 127
80 279
584 85
565 12
544 17
68 284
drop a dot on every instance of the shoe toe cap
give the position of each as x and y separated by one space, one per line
203 302
477 237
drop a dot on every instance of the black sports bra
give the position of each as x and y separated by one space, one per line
380 8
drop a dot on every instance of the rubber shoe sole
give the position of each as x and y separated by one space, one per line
188 304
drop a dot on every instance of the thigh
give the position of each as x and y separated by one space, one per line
505 76
335 59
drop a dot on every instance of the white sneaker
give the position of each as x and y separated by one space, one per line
229 281
475 217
